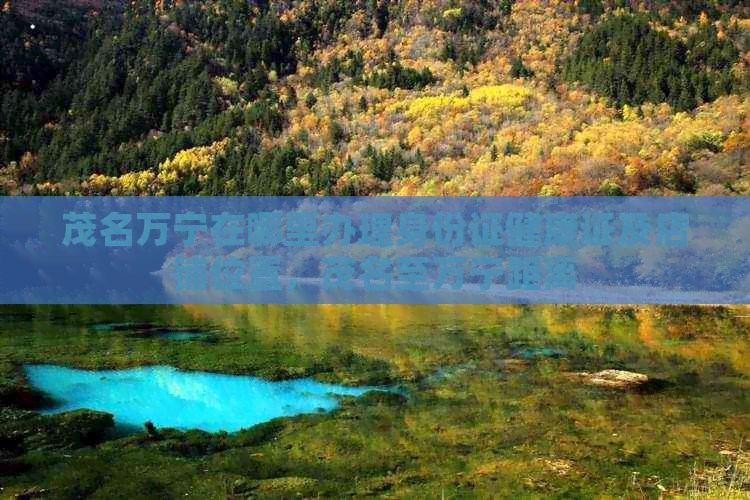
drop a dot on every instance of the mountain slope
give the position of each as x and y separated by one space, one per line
486 97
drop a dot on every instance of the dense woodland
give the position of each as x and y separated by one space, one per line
489 97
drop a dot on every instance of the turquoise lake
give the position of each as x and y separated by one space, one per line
184 400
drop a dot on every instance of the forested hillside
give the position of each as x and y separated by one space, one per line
404 97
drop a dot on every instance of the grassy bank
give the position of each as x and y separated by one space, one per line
490 413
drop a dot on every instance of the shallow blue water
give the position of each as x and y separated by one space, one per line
182 335
184 400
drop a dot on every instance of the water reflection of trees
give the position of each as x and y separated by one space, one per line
403 333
